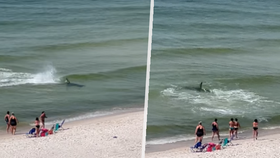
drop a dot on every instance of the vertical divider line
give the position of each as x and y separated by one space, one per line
147 78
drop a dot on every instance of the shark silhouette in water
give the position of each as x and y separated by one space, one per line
199 89
69 84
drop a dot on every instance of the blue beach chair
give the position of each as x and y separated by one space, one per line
198 147
31 133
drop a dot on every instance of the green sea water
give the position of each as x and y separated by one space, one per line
231 46
101 45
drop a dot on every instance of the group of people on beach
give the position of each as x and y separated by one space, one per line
233 129
12 122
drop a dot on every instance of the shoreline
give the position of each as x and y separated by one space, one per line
264 146
84 138
245 135
22 129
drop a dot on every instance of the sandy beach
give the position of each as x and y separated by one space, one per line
265 146
85 138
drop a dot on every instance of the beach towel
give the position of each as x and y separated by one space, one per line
198 147
210 147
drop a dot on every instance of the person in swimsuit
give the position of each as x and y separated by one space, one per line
6 118
42 118
13 121
37 125
215 129
231 128
255 129
236 126
199 132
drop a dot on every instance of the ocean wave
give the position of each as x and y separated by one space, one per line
68 46
253 79
89 115
119 73
10 78
219 101
189 51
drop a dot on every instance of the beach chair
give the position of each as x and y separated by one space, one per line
60 126
226 142
56 127
198 147
31 133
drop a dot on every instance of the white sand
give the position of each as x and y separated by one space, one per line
86 139
267 146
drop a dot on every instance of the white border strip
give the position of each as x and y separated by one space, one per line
147 78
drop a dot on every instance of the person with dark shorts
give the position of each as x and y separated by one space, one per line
255 129
231 128
215 129
7 118
236 127
199 132
13 121
37 125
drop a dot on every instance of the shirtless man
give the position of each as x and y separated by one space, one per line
42 118
236 126
231 127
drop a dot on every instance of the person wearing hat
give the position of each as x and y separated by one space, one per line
13 121
199 132
42 118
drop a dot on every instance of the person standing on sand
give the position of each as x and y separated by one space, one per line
215 129
255 129
231 128
13 121
7 118
199 132
42 118
37 125
236 126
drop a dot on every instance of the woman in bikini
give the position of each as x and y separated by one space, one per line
7 118
231 128
215 129
199 132
37 125
13 121
255 129
236 126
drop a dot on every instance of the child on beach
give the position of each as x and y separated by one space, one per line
42 118
236 127
215 129
7 118
13 121
199 132
255 129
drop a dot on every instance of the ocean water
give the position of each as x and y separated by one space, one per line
99 44
231 46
